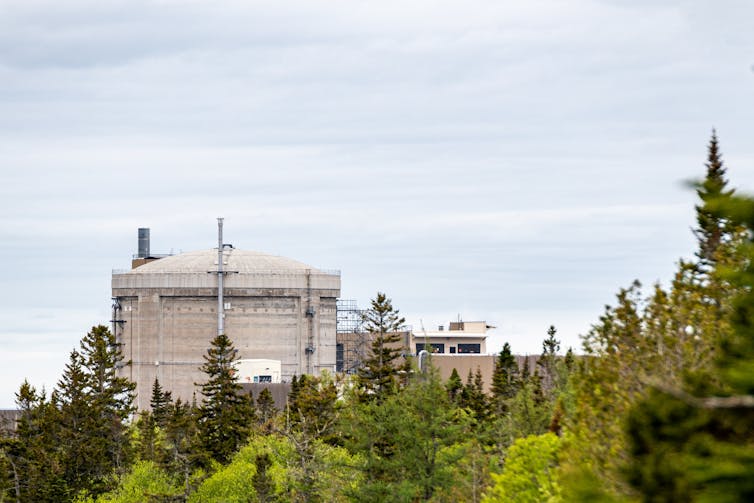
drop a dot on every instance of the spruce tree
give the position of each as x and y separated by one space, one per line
182 438
711 228
312 409
454 386
473 397
225 414
548 360
84 457
35 467
263 484
160 402
378 375
695 442
505 376
266 410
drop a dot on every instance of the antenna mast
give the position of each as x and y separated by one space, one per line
220 305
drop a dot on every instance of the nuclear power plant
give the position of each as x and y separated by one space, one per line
279 313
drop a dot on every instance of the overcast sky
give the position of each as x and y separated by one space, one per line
515 162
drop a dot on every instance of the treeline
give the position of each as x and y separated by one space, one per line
659 406
389 433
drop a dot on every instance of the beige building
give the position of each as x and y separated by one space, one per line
462 346
166 312
461 338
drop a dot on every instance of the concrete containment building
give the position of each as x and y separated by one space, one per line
166 312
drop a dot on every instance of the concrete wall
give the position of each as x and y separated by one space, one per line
171 318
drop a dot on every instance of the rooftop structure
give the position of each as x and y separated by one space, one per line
462 337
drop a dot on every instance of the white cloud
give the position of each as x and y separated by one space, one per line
518 161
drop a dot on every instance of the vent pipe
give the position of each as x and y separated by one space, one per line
220 305
143 242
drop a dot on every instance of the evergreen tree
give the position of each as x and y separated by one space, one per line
547 362
712 228
261 480
525 371
161 401
378 375
312 408
225 414
473 397
182 438
402 442
110 396
83 458
505 379
34 466
696 442
148 441
454 386
266 410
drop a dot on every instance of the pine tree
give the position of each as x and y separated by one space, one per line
312 408
474 398
378 375
547 362
161 401
525 371
35 468
454 386
225 414
695 442
403 442
261 480
84 457
266 410
111 397
711 228
182 438
505 378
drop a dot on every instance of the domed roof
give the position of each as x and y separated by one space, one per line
234 260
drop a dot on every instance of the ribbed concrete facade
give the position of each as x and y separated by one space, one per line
275 308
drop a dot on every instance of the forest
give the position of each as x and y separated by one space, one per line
657 405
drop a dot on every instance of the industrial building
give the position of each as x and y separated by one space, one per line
463 346
278 312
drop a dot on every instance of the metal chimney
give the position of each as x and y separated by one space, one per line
143 242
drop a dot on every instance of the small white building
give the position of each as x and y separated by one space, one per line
461 337
257 370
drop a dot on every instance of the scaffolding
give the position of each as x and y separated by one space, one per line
351 337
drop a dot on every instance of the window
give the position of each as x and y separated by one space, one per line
469 348
262 378
339 357
432 348
452 350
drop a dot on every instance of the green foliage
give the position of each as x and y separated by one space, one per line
77 440
699 445
669 339
160 402
242 481
404 441
225 415
505 379
454 386
713 229
146 482
548 363
181 440
378 376
312 407
266 410
529 475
